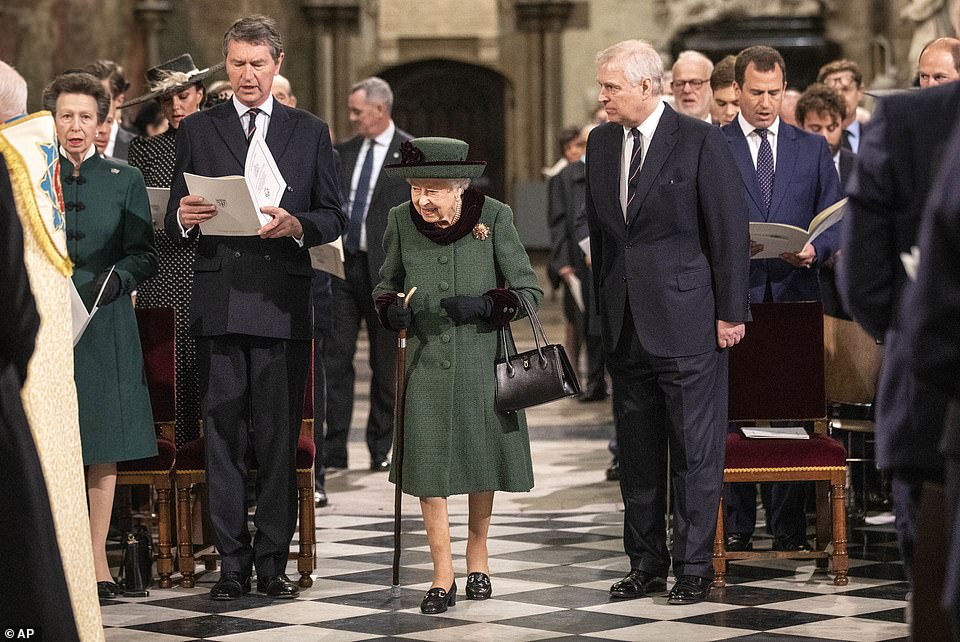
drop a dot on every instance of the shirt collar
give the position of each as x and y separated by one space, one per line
854 128
387 135
266 107
649 125
748 129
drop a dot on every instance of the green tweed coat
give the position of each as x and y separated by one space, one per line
455 441
108 222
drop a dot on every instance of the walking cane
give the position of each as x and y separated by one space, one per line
398 405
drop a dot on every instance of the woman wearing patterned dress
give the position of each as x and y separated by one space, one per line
177 85
110 241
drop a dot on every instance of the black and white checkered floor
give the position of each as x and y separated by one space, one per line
550 574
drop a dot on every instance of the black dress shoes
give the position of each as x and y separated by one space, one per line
478 586
738 542
380 465
231 586
436 600
278 586
790 545
690 589
638 584
613 472
593 395
320 498
106 590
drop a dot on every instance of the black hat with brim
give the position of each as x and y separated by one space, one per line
172 76
435 157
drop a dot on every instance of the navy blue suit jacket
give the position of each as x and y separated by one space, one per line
804 183
245 284
681 255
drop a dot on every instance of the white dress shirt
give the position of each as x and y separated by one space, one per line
753 138
647 128
379 155
263 118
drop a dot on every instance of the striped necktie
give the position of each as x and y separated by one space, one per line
634 173
252 124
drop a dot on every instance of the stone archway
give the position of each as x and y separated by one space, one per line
450 98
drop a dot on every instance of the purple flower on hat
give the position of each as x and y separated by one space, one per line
410 154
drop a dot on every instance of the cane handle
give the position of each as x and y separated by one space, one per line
406 297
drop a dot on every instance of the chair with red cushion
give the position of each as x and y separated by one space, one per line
777 374
191 471
157 339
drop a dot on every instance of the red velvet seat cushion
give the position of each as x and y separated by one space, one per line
191 454
819 450
163 460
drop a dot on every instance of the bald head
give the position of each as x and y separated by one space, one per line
691 84
283 92
13 93
939 62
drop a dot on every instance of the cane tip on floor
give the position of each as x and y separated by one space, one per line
395 590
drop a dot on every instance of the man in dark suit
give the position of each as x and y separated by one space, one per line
787 176
668 241
903 146
369 194
250 308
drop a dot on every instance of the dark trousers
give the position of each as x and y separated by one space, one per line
951 589
785 504
680 404
906 486
353 303
252 391
592 342
319 408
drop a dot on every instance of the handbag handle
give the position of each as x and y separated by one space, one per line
539 336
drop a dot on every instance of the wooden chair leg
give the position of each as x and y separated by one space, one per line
165 538
306 559
823 521
841 561
719 551
185 536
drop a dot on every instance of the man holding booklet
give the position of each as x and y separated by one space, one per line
250 309
788 177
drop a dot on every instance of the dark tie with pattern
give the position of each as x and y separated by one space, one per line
845 140
765 168
634 173
252 125
352 242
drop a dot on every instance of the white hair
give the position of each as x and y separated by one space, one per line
455 183
377 91
696 57
637 59
13 93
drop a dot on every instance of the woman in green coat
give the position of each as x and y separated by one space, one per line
463 254
107 226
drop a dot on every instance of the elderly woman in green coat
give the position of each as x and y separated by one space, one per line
107 226
462 252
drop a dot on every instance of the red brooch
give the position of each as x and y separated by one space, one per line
481 232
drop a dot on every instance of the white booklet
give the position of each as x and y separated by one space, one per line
329 258
158 204
81 317
779 432
239 198
576 291
778 238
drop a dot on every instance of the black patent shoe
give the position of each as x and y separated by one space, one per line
690 589
277 586
738 542
478 586
231 586
638 583
436 600
107 590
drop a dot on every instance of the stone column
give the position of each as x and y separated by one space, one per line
543 21
152 14
332 22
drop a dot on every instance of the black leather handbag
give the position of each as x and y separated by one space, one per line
136 566
534 377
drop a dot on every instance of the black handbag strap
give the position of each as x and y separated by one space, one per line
539 336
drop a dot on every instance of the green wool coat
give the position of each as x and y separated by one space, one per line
455 441
108 222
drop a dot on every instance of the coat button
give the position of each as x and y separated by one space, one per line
444 286
266 257
628 246
445 364
444 338
443 259
236 255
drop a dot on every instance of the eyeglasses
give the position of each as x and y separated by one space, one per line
694 84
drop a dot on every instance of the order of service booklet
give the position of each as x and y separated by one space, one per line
329 258
239 198
779 238
82 317
158 204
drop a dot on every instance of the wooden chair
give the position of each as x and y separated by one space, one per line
157 339
777 374
191 471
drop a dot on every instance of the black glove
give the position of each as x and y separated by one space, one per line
399 317
112 290
462 309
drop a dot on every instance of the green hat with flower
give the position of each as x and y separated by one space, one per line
435 157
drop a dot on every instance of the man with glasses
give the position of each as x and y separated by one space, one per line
845 77
691 84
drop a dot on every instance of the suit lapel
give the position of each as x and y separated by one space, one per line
786 162
741 152
348 160
393 156
611 175
228 126
661 145
280 129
